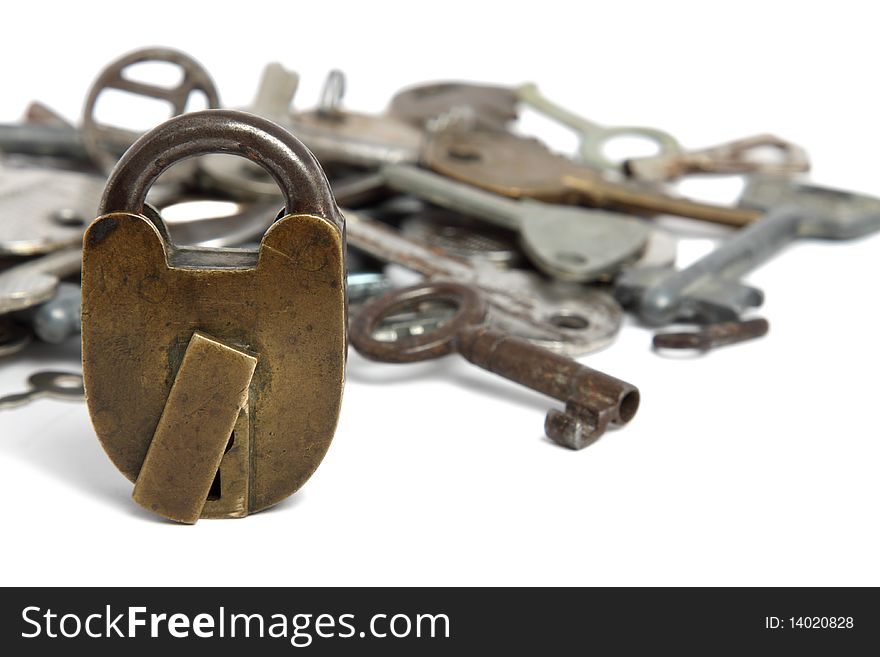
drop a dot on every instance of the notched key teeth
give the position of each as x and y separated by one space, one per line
572 428
580 426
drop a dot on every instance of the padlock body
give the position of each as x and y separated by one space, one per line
143 300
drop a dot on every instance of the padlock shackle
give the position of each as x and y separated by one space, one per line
297 172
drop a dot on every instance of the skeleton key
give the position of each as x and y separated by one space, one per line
735 157
564 317
58 385
440 105
524 168
571 244
593 400
337 135
708 290
593 136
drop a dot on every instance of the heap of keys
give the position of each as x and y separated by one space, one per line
529 259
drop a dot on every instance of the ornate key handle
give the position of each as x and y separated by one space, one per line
470 311
593 136
105 142
66 386
742 156
593 400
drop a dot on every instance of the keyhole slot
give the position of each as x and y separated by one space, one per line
217 485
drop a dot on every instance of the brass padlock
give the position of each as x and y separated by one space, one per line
214 376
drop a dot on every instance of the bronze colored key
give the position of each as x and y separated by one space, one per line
593 400
525 168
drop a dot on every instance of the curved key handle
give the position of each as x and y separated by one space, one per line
58 385
593 136
742 156
104 142
283 156
470 310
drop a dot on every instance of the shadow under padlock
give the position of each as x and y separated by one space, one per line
214 376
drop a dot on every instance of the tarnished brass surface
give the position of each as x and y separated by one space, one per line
518 167
144 298
197 424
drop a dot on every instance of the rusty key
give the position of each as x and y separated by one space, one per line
710 336
593 400
742 156
564 317
525 168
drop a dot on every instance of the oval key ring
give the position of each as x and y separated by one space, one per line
57 385
60 385
593 136
470 310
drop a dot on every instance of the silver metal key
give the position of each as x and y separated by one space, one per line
338 135
569 243
44 209
464 237
709 290
35 281
565 317
34 139
593 137
58 385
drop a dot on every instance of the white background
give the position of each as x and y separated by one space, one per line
756 464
